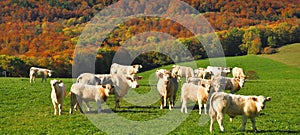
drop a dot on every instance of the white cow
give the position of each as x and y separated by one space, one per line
182 71
58 94
39 72
233 105
88 78
128 70
233 84
195 93
122 83
167 87
218 71
238 73
83 92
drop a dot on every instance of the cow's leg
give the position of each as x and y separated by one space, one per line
165 100
60 109
212 120
87 106
170 104
79 101
205 112
55 108
220 118
200 105
183 106
99 106
244 121
253 124
117 98
161 102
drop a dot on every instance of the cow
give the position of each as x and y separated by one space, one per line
203 73
39 72
84 92
167 87
233 105
58 94
128 70
233 84
182 71
218 71
104 78
194 92
238 73
88 78
198 81
122 83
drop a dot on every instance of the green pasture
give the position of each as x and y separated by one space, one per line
27 109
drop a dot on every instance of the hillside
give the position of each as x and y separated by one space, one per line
289 55
45 33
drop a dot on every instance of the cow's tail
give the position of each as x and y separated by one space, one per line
211 107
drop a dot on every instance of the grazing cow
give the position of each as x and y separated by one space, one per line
122 83
194 93
128 70
58 94
233 84
218 71
88 78
202 73
182 71
167 87
83 92
238 73
233 105
39 72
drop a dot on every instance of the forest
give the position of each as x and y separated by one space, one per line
44 33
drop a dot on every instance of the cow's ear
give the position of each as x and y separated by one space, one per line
128 78
103 86
160 75
254 99
139 77
203 85
60 81
268 99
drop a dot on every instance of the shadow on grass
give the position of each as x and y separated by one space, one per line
279 131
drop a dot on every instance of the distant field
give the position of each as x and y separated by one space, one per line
27 109
289 55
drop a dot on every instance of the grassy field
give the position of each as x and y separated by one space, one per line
27 109
289 55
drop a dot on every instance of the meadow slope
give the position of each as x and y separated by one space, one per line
27 109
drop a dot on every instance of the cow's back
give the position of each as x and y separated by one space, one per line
88 78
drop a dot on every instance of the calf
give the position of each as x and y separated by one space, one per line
122 83
182 71
167 87
194 93
86 93
128 70
39 72
57 95
233 105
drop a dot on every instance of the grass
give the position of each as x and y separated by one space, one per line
289 55
27 109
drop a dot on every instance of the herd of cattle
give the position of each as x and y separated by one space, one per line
204 85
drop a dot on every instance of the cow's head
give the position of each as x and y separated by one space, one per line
136 68
164 75
132 80
240 81
207 86
48 72
260 102
105 89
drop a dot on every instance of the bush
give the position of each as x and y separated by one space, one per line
269 50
